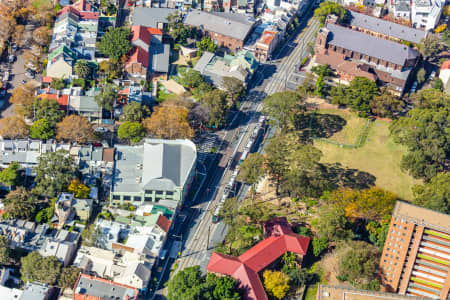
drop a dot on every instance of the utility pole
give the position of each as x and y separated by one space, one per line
207 241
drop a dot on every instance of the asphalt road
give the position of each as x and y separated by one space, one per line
196 236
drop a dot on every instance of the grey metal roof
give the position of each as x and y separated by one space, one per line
402 6
203 61
159 57
385 27
103 289
369 45
233 25
34 291
150 16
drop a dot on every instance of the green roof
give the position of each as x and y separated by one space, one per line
165 211
62 50
123 220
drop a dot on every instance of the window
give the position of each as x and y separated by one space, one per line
157 199
169 193
148 191
159 192
137 198
127 198
116 197
148 199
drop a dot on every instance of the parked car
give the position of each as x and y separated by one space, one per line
30 74
11 59
6 76
14 47
23 81
433 74
101 129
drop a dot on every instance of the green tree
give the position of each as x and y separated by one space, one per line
434 194
90 235
116 42
57 83
282 106
68 277
10 175
107 98
82 69
229 211
425 132
357 96
54 172
234 87
20 204
186 284
323 70
5 251
358 264
191 79
34 267
251 170
430 46
276 161
216 101
438 84
134 112
222 287
47 109
445 37
378 232
332 223
276 283
421 75
386 105
299 277
327 8
207 44
41 130
133 131
319 245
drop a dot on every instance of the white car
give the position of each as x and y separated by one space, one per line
101 129
433 74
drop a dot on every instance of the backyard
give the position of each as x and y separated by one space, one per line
379 155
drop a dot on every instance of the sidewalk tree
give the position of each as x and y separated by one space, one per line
251 171
435 194
54 172
82 69
169 122
75 129
276 161
20 204
23 97
276 283
132 131
116 42
41 130
47 109
234 87
10 175
134 112
42 35
282 106
13 127
216 101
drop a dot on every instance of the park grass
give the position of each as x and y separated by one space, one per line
379 156
353 128
37 4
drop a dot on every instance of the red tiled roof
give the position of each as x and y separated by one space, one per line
337 61
164 223
245 268
143 33
124 91
267 37
62 100
47 79
138 55
446 65
82 5
81 14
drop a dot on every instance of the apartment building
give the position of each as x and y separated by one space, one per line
425 14
336 292
416 254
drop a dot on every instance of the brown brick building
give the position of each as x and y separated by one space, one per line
353 53
225 29
416 254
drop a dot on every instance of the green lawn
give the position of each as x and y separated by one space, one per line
40 3
352 129
379 156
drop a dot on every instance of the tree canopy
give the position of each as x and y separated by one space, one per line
23 97
169 122
10 175
332 223
115 42
47 109
41 130
78 189
207 44
234 87
429 46
20 204
82 69
75 129
216 101
276 283
327 8
34 267
282 106
133 131
5 250
251 170
107 97
54 172
190 284
434 194
134 112
13 127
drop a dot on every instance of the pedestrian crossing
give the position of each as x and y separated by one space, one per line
205 147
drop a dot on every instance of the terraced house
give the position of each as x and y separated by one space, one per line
416 254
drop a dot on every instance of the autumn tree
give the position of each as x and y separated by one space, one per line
23 97
169 122
276 283
54 172
251 170
75 129
78 189
41 35
18 35
31 59
386 105
368 204
13 127
133 131
20 204
110 69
